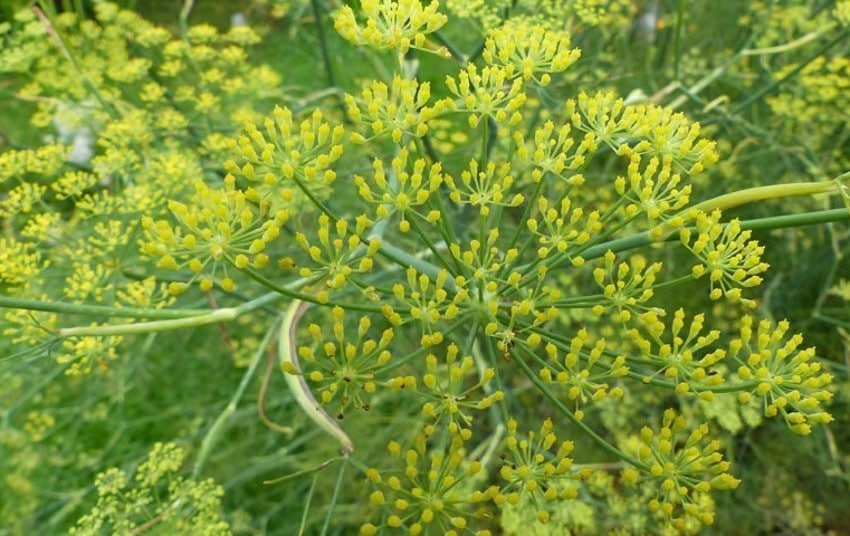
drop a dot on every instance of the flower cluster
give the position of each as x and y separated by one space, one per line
451 392
185 506
644 129
287 160
484 188
685 465
392 25
340 253
220 227
561 227
686 358
728 257
434 494
552 152
627 288
490 92
428 302
83 353
584 373
407 188
787 379
398 110
531 467
344 369
484 233
530 51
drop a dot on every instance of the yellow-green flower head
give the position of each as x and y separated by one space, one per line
338 252
684 464
625 287
654 190
220 227
20 264
286 157
529 51
539 466
399 110
393 25
685 358
429 302
452 390
344 367
485 187
82 353
729 258
787 379
185 505
407 187
584 370
552 152
491 92
562 227
645 129
436 492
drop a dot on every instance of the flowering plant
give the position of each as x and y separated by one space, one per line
458 247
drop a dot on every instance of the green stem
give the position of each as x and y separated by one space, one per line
95 310
212 317
773 222
453 49
335 497
295 295
87 82
326 58
761 193
776 83
428 242
216 431
677 38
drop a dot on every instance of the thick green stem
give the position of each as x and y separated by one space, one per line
761 193
773 222
212 317
97 310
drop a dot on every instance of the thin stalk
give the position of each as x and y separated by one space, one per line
307 505
796 70
428 242
60 43
599 440
335 497
326 58
295 295
183 20
677 39
216 431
